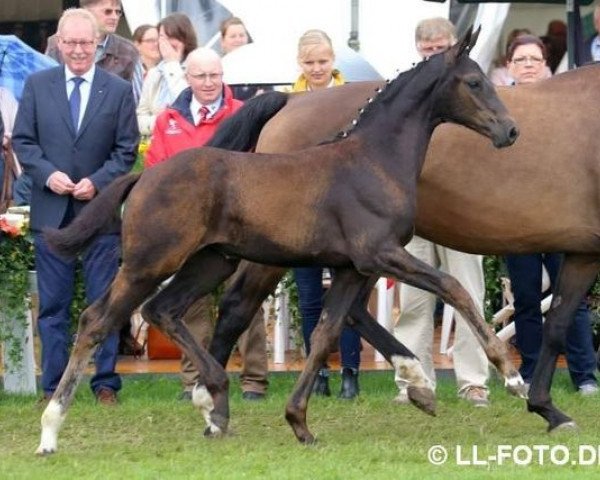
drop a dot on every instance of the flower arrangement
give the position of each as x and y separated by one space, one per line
16 260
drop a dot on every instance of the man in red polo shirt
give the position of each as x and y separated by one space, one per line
189 123
196 113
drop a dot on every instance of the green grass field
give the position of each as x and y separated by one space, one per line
151 435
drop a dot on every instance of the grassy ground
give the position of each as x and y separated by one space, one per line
151 435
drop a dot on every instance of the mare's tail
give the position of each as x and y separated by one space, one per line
240 132
95 218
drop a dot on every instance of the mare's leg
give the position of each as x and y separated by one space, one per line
397 262
345 287
198 276
405 363
250 286
105 315
576 276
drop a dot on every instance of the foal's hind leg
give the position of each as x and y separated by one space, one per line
107 314
405 363
576 276
345 287
199 275
250 286
397 262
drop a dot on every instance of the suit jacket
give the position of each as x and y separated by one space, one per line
44 138
120 55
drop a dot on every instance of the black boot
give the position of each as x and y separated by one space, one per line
321 386
349 384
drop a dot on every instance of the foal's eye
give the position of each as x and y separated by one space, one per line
474 84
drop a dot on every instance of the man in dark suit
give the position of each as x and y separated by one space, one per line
113 52
75 132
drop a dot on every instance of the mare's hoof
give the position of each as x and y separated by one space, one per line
569 426
423 398
307 439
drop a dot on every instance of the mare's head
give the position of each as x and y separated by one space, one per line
464 95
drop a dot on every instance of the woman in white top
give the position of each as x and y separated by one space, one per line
163 83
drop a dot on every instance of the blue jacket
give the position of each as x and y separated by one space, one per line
45 141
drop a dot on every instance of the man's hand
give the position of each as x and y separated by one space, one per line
60 183
84 190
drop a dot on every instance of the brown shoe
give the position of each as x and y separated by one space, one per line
106 396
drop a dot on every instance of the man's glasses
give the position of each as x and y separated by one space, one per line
527 60
110 11
203 77
85 44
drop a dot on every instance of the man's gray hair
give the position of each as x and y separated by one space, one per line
91 3
78 13
432 28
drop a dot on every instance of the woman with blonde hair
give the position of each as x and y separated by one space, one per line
316 59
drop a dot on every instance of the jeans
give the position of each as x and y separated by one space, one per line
525 273
310 296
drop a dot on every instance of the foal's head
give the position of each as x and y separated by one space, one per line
465 95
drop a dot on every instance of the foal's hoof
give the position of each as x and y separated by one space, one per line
569 426
423 398
516 386
211 432
45 451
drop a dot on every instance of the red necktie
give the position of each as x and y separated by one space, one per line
204 111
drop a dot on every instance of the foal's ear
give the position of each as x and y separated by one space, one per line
466 43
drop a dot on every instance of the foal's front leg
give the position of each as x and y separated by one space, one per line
344 289
397 262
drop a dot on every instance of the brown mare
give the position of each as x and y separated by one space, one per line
541 195
347 204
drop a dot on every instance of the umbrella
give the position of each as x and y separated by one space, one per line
275 64
17 61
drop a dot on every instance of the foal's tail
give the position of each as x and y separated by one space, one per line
240 132
95 218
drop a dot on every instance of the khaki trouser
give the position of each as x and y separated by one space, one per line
252 346
414 327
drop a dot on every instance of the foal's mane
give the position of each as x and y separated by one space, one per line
388 91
